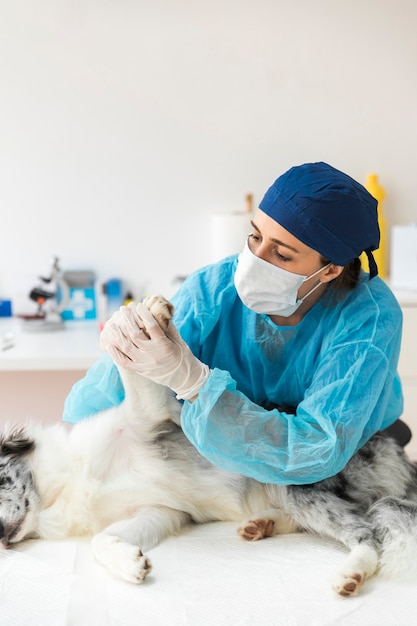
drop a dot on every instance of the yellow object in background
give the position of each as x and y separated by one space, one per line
380 255
128 298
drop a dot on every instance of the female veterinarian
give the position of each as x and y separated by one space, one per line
288 359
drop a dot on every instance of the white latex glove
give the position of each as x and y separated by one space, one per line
135 341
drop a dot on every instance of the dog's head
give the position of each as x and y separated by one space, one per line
18 495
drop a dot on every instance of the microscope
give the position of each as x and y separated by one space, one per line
51 297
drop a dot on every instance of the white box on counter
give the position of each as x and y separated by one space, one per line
404 257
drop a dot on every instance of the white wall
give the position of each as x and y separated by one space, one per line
125 124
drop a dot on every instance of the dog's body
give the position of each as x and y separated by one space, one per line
130 478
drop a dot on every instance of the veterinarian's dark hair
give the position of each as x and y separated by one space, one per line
348 278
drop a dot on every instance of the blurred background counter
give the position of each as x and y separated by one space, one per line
38 369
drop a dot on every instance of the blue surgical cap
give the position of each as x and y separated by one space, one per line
327 210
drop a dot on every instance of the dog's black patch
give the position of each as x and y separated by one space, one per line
16 443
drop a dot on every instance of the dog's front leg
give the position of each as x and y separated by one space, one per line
120 558
119 547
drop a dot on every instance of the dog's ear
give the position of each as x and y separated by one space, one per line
16 442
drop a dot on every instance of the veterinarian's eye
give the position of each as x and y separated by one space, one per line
281 257
253 241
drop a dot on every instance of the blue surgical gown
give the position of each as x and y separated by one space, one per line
337 367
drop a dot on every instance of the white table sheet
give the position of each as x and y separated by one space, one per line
207 576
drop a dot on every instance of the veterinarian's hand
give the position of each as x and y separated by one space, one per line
135 341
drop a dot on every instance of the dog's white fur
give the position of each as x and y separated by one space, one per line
130 478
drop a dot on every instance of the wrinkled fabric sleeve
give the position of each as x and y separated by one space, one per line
100 389
353 392
331 423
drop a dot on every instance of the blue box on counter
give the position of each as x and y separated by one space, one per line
80 302
5 308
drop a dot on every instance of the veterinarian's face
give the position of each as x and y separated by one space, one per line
272 243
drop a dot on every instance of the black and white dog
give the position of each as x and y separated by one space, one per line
130 478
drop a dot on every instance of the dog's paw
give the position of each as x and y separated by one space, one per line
256 529
131 564
161 309
348 584
361 564
121 559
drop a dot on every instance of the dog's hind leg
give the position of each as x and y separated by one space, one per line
325 514
267 524
395 524
119 547
360 565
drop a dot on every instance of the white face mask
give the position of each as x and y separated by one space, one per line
266 288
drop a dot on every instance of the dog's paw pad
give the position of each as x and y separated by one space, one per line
254 530
134 567
349 585
140 568
161 309
124 560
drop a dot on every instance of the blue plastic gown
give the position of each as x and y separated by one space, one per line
338 367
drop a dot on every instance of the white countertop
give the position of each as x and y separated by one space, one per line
75 347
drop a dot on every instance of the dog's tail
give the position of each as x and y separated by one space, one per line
395 524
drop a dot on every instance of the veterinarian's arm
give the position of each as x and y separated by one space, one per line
331 423
100 389
136 341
